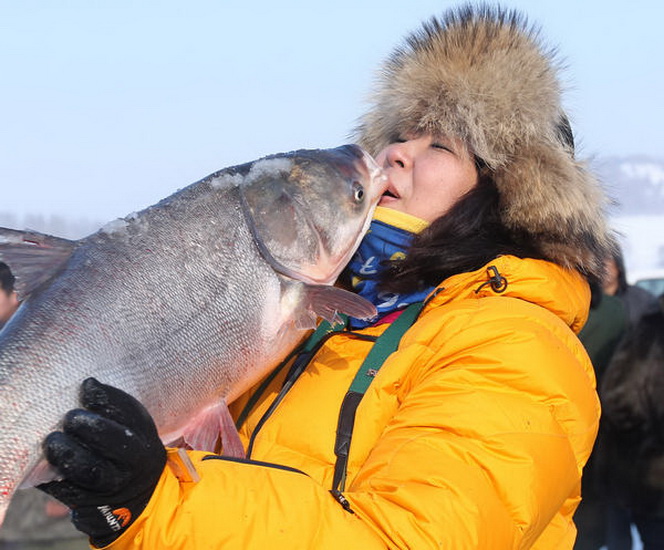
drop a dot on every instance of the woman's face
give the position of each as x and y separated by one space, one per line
426 175
611 281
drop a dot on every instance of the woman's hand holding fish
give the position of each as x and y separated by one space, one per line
110 457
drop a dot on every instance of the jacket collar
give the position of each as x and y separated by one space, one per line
562 291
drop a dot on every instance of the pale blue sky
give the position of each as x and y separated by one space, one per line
106 107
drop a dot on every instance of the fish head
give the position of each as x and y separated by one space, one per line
309 209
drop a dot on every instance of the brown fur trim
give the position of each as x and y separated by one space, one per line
482 74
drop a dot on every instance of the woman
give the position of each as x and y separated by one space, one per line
636 300
474 432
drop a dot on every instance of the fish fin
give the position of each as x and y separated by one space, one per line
202 432
33 257
230 438
205 430
43 472
327 301
306 320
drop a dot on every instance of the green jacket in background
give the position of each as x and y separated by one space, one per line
603 331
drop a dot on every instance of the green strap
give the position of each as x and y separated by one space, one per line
385 345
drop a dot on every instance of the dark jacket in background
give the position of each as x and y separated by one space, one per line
632 393
637 302
606 325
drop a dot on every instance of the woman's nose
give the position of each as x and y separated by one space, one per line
396 155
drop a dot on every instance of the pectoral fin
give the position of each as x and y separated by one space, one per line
231 444
327 301
208 427
43 472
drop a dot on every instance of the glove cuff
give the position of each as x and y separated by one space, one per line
105 523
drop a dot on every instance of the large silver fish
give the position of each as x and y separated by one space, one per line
184 304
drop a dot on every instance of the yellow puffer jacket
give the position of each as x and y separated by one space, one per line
472 435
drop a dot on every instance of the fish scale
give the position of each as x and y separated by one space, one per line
185 304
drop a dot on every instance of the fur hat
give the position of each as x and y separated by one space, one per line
481 74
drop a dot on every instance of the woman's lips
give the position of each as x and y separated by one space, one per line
390 195
387 199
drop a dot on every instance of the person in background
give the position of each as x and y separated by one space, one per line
8 297
606 325
632 395
601 508
601 335
636 300
460 417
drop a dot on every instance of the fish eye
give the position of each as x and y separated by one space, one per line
358 192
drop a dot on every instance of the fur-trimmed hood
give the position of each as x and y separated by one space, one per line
482 74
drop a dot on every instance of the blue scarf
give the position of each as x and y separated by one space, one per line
389 236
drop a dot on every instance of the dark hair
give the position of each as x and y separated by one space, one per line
7 278
464 239
596 294
619 260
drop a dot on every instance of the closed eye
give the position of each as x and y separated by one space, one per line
441 146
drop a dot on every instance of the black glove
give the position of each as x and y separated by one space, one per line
110 458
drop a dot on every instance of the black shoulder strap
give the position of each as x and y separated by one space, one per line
385 345
303 351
